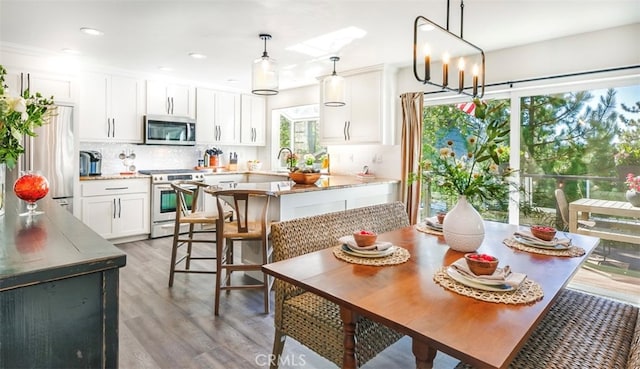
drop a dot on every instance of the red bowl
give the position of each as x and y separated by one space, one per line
365 238
543 232
31 187
481 264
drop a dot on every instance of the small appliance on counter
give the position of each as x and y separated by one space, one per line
90 163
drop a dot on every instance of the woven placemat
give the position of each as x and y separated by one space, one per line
572 251
399 256
528 292
423 228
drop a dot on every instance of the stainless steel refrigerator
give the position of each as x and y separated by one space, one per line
52 152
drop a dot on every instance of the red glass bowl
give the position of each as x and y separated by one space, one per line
31 187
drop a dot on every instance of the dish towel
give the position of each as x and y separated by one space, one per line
528 236
379 246
433 222
512 279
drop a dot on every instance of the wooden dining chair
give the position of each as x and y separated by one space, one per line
563 206
249 223
310 319
201 228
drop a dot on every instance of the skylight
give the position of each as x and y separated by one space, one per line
328 43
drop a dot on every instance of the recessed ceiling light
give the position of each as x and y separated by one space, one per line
71 51
197 56
328 43
91 31
166 69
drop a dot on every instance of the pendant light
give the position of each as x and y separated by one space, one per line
264 79
334 87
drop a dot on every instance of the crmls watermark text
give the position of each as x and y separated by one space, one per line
289 360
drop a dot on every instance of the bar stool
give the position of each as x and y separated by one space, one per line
189 212
249 223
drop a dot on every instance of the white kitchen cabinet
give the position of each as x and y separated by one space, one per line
367 116
170 99
116 208
111 108
252 120
217 117
47 84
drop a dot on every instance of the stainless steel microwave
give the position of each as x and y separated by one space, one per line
169 130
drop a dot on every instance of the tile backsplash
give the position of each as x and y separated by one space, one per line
160 156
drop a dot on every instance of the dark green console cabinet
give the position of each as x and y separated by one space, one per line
58 292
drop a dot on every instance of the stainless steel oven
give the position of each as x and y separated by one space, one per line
163 198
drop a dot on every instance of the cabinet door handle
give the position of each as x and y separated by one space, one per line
29 82
108 127
344 130
168 105
219 133
21 83
119 208
349 130
114 208
116 188
172 105
113 131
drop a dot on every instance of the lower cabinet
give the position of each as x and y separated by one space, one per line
116 208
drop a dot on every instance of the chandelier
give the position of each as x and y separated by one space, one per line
433 43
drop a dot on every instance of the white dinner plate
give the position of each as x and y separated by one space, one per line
453 273
524 241
368 254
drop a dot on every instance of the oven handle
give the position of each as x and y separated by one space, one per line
162 188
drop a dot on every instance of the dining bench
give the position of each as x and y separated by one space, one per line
582 331
310 319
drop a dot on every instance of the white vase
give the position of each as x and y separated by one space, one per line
463 227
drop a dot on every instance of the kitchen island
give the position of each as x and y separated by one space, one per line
329 194
58 291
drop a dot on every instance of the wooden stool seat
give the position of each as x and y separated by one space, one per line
249 223
189 213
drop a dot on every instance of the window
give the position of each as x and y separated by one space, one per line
297 129
580 139
441 125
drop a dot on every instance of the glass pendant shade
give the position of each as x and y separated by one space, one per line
264 73
334 91
333 87
264 77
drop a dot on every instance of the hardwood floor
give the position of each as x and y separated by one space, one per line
162 327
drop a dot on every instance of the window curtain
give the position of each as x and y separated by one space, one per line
411 147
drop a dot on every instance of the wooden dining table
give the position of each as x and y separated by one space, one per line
406 298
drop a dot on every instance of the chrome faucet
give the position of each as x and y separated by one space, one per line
288 161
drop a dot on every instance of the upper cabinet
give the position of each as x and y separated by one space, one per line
253 120
170 99
111 108
217 115
367 116
47 84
